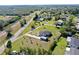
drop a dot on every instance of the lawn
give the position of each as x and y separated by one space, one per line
2 17
37 24
52 29
28 28
28 42
61 46
33 43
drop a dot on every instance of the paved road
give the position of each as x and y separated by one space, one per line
20 31
2 48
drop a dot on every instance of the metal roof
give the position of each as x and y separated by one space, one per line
74 42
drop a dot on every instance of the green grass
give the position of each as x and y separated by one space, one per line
61 46
2 17
28 28
52 29
37 24
25 42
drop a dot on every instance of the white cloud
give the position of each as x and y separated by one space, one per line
33 2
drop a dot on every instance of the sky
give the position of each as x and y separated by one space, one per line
37 2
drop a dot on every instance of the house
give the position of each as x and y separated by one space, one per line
74 51
44 35
77 27
39 18
74 42
74 46
64 17
59 23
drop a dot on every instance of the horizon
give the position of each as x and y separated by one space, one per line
38 2
41 5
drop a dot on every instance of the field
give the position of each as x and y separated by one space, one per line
61 46
52 29
28 42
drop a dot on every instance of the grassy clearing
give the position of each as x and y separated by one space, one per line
27 29
37 24
2 17
52 29
61 46
33 43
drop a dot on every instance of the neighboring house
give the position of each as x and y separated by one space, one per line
74 51
75 42
64 17
74 46
77 27
39 18
59 23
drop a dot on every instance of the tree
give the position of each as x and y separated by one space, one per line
52 46
22 23
36 16
68 28
1 25
9 44
9 34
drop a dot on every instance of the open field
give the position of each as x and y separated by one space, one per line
29 42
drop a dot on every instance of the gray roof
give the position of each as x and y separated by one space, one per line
74 42
45 33
74 51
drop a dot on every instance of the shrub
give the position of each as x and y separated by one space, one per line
9 44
